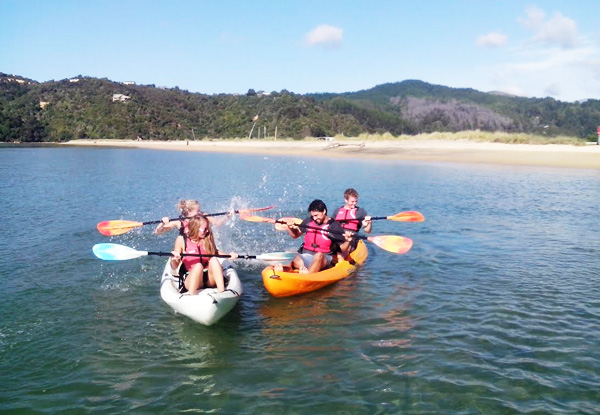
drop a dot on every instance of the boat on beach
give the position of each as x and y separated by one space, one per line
207 306
290 282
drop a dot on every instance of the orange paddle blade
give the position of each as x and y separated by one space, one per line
281 224
117 227
408 216
258 219
392 243
245 211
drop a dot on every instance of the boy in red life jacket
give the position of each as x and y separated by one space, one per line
351 216
319 244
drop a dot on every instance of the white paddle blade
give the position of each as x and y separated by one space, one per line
116 252
277 257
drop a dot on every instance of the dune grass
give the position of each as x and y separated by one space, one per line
472 135
475 135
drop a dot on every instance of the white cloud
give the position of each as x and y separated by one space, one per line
324 35
493 39
535 18
556 30
565 74
554 61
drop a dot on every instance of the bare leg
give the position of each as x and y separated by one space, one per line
215 275
318 263
298 263
193 282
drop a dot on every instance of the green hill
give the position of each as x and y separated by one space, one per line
428 108
92 108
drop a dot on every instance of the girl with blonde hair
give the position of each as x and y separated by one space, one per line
198 272
187 208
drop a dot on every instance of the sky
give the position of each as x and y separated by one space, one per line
528 48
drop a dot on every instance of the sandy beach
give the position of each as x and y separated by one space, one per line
456 151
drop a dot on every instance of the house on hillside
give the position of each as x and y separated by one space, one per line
120 98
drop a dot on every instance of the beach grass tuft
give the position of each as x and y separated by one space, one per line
473 135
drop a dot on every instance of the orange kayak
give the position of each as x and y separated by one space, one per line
287 282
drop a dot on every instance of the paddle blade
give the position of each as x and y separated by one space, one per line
408 216
277 257
115 252
392 243
117 227
281 224
245 211
258 219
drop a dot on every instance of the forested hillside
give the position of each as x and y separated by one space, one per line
92 108
427 108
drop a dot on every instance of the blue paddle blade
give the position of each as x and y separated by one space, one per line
116 252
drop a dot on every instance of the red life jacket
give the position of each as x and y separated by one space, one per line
317 240
191 247
344 213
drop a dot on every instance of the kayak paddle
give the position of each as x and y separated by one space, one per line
392 243
408 216
118 227
281 224
116 252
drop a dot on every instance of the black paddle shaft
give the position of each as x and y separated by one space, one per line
153 222
203 255
326 230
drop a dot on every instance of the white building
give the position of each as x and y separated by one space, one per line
120 98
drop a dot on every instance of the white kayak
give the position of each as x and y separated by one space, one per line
207 306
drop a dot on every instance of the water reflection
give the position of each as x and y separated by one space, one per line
309 308
494 310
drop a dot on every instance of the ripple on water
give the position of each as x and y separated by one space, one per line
494 310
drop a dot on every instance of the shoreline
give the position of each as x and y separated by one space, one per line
454 151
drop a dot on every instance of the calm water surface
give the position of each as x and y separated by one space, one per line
495 310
